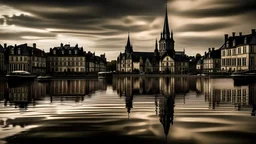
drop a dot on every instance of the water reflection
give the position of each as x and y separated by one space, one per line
74 90
187 109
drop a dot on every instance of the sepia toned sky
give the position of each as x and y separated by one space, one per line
101 26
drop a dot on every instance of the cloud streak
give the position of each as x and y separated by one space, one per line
102 26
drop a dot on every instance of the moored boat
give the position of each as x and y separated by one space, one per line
20 75
44 78
103 75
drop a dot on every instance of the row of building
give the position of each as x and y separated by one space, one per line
238 52
59 60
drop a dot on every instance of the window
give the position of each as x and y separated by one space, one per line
244 50
243 61
245 40
75 51
229 52
234 52
12 50
223 53
239 50
54 52
69 51
239 62
19 51
233 62
234 43
20 58
62 52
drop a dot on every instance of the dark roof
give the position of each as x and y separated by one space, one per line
181 58
26 50
145 55
66 49
239 41
216 54
1 48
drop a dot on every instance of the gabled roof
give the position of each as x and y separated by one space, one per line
215 54
239 41
1 48
25 50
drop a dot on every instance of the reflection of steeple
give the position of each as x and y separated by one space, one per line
129 106
166 110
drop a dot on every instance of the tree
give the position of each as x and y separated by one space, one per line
198 56
111 66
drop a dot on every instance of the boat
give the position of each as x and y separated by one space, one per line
20 75
44 78
103 75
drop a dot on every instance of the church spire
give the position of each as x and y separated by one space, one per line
128 40
166 30
128 47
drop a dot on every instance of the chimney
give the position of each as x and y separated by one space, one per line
226 37
234 34
204 53
213 49
240 34
34 45
253 32
209 49
61 45
5 45
15 45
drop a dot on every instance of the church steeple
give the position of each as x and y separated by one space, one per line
156 52
128 47
166 30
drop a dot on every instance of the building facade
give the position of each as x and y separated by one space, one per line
239 52
66 59
164 58
2 60
212 61
26 58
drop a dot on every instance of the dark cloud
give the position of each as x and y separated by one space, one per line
204 27
226 8
106 22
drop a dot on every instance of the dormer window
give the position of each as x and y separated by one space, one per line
75 51
54 52
12 50
62 52
245 40
19 51
227 44
69 51
234 43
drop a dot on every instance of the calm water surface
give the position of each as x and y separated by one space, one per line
129 110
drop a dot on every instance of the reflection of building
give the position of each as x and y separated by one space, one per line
2 90
221 93
21 96
24 57
166 112
74 89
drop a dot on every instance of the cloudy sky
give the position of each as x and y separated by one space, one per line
101 26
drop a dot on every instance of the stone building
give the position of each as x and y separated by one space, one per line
2 60
162 60
66 59
212 61
239 52
26 58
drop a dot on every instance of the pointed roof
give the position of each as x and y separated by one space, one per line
128 41
156 47
166 30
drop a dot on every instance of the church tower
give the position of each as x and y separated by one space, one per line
128 47
166 43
